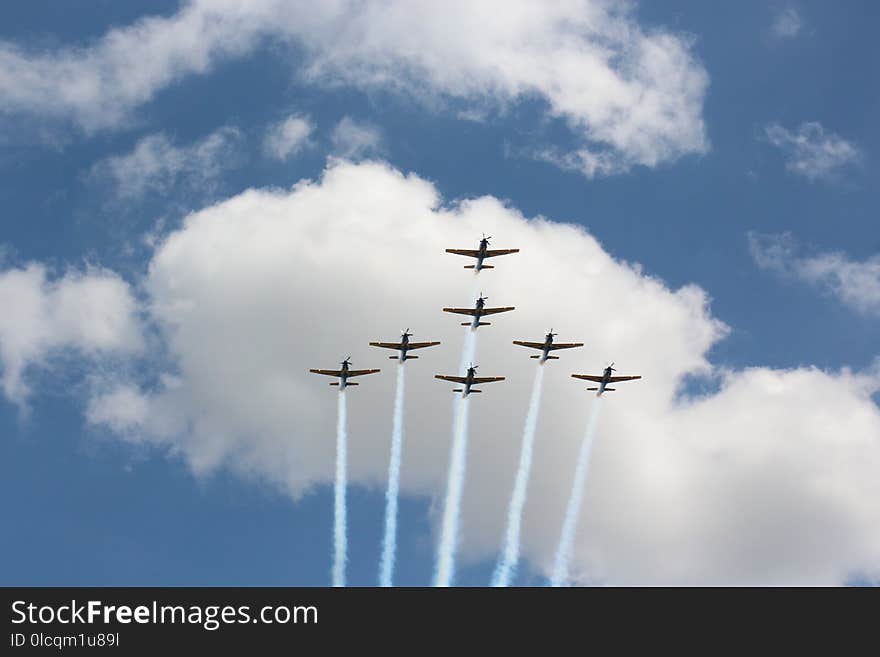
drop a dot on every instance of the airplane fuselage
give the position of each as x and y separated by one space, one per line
606 379
481 255
468 383
343 379
545 353
404 347
475 323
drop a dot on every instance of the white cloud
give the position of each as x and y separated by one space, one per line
157 165
812 152
91 312
855 284
288 137
770 480
354 139
787 23
633 93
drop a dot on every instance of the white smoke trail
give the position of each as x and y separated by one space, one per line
454 487
572 511
468 351
457 465
506 568
389 541
445 568
340 542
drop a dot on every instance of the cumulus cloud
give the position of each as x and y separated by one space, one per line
354 139
632 93
787 23
856 284
811 151
91 312
156 164
772 479
287 137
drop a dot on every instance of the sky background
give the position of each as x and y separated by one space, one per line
80 508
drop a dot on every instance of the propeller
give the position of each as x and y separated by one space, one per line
405 331
486 238
611 367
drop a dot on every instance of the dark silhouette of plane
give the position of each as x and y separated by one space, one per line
344 374
481 253
547 346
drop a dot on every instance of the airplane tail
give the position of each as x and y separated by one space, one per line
473 390
593 388
548 357
458 390
478 323
534 356
606 389
483 267
346 385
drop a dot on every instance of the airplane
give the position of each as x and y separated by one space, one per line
404 346
605 379
547 346
470 380
478 311
482 253
344 374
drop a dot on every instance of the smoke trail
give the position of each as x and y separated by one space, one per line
389 542
340 543
445 568
457 464
468 351
506 568
454 487
572 511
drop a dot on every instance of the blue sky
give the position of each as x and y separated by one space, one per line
82 508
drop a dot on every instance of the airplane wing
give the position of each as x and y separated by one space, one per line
465 252
454 379
492 311
387 345
497 252
615 379
487 379
422 345
566 345
327 372
461 311
352 373
530 345
588 377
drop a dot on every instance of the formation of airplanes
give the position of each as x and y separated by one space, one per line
404 346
